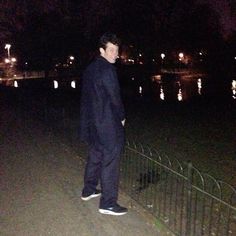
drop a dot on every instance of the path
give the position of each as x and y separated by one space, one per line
40 185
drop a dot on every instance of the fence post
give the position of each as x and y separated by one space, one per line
189 198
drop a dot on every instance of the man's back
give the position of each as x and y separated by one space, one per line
101 106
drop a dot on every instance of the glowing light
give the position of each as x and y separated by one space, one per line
199 85
234 84
73 84
7 60
55 84
72 58
8 46
181 56
140 90
162 95
180 96
131 60
156 78
13 59
234 89
163 56
15 84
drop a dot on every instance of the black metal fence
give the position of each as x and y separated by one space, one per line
187 201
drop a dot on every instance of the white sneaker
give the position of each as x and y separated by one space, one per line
97 193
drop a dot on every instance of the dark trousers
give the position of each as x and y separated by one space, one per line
103 165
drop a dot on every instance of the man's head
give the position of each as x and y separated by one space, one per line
109 47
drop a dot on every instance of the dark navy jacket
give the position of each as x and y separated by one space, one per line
101 108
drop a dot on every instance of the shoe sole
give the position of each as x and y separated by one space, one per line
107 212
90 197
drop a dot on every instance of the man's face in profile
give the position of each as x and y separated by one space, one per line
110 53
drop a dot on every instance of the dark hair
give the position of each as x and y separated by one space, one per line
108 38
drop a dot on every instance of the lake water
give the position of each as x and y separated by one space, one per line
167 87
177 87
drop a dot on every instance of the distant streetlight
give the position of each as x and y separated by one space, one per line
70 60
8 46
163 56
181 56
7 60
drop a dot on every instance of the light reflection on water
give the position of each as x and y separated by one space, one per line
199 85
165 88
234 89
184 87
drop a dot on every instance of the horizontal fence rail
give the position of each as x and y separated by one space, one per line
187 201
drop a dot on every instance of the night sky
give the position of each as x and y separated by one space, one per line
52 29
227 12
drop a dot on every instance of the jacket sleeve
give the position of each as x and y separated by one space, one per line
112 88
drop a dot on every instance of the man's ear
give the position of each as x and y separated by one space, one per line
102 51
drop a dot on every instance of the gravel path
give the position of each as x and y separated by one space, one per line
40 184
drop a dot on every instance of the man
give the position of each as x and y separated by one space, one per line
101 126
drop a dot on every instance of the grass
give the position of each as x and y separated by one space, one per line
203 132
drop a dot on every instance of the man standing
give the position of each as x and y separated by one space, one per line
101 126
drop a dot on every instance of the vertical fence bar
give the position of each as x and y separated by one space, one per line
181 205
189 198
195 210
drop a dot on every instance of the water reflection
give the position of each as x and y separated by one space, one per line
177 87
55 84
168 87
179 96
234 89
199 85
140 90
162 95
184 87
73 84
15 84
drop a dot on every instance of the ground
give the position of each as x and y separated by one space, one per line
41 180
